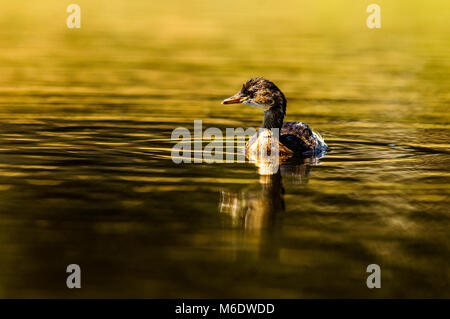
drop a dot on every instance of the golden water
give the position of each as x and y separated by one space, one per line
86 176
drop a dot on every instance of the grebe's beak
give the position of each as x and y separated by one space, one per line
237 98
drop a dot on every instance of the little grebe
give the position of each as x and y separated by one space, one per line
296 138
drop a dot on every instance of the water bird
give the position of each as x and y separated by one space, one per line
295 138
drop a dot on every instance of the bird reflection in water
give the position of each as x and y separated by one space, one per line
256 209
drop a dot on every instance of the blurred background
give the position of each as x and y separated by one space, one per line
86 176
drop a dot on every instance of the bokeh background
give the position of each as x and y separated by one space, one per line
86 176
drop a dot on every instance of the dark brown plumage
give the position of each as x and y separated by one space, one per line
295 138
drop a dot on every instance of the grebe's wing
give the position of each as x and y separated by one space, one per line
298 137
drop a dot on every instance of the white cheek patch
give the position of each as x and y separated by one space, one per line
257 105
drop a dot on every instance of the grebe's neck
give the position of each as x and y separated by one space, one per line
273 119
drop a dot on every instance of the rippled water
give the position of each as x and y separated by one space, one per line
86 118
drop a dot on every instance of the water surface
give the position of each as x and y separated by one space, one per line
86 175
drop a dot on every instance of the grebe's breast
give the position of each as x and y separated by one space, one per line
259 151
296 138
261 143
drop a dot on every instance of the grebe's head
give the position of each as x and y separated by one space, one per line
260 93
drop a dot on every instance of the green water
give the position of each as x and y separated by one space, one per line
86 175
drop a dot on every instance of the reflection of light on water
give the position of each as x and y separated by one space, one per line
5 187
